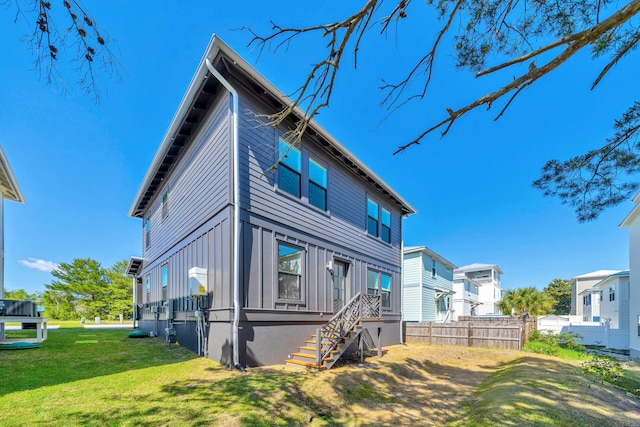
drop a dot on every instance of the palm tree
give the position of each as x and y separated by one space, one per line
525 301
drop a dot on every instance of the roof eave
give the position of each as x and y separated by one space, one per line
5 167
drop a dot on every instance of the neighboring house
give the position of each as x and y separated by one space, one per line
9 190
580 283
427 286
466 297
250 245
614 300
632 222
487 276
590 304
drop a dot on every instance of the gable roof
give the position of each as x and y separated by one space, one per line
432 254
9 188
633 215
198 99
596 274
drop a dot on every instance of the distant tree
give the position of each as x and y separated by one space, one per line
560 291
85 288
20 294
531 38
120 291
525 301
64 37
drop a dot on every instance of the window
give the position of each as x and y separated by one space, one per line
317 185
612 293
148 284
147 232
379 284
165 281
372 217
289 273
165 206
639 325
385 290
289 169
433 268
386 225
372 282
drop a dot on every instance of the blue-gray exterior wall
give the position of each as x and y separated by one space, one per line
198 233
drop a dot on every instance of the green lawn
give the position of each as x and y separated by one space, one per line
84 377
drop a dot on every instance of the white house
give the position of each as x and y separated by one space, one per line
427 286
465 297
580 283
631 221
487 276
614 300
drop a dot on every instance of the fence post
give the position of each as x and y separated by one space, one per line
469 334
430 333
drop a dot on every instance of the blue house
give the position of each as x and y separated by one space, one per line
427 286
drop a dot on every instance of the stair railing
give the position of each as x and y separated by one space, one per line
361 306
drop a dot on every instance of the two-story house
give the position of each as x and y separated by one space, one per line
466 297
488 278
427 291
581 283
614 300
249 244
631 222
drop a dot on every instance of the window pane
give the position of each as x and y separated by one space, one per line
386 218
386 234
289 259
386 282
288 286
289 180
317 196
290 156
372 226
317 173
372 209
148 284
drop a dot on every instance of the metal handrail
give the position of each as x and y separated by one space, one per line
361 306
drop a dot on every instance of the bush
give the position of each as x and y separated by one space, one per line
551 343
606 368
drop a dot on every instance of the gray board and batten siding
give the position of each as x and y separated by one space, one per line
188 200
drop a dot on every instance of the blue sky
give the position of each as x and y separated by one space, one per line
79 165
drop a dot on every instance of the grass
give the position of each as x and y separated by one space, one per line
103 378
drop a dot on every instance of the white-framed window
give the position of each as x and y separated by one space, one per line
612 293
373 216
317 184
434 268
290 259
290 169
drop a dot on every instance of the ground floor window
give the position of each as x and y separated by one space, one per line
379 283
289 272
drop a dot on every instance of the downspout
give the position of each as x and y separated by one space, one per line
236 213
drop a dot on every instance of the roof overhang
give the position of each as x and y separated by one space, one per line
135 265
195 104
9 188
434 255
633 215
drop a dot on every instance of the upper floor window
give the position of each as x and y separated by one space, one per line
289 272
165 204
290 169
317 185
434 271
147 232
372 217
612 293
386 225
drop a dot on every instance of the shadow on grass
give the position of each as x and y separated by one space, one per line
71 354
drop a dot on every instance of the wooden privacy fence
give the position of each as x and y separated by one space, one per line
497 332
